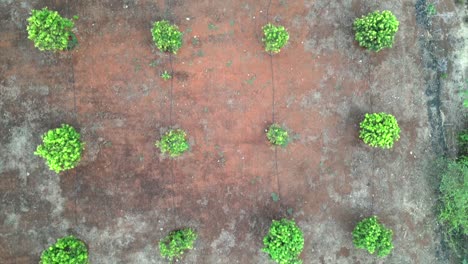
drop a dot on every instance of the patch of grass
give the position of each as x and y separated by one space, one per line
154 63
255 180
232 22
453 206
212 26
195 41
200 53
274 197
251 80
229 63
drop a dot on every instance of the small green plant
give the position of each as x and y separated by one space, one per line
67 250
176 243
167 37
379 130
166 75
369 234
277 135
49 31
284 242
431 9
173 142
61 148
274 37
376 31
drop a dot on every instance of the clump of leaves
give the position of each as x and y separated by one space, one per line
176 243
369 234
379 130
274 37
167 37
376 30
49 31
166 75
67 250
61 148
277 135
284 242
173 142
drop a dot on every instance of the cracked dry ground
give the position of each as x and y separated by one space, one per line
125 196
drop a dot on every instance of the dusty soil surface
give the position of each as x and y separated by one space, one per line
125 196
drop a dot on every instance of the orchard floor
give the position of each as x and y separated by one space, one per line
125 196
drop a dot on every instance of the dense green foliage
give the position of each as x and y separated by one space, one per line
173 245
173 142
49 31
277 135
67 250
369 234
284 242
61 148
274 37
379 130
167 37
376 30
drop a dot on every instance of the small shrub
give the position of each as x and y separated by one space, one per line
274 37
379 130
376 31
61 148
284 242
49 31
277 135
67 250
167 37
173 142
369 234
173 245
166 75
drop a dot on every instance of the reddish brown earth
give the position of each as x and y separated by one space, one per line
125 195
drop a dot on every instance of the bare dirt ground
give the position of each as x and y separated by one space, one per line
125 196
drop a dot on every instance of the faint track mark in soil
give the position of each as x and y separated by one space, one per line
170 4
71 81
273 109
